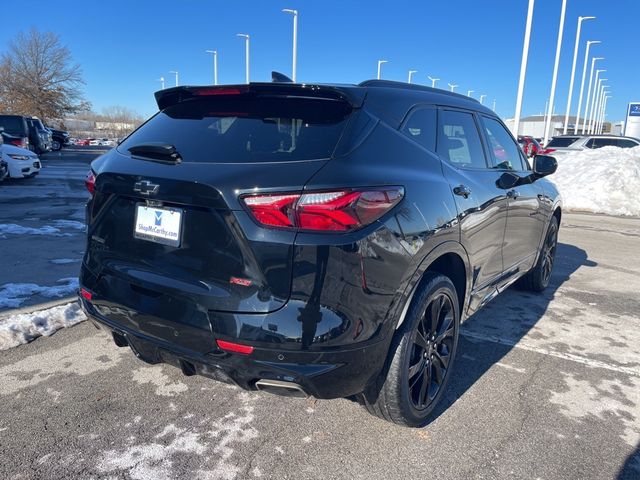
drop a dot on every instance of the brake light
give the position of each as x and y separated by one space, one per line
234 347
86 294
90 182
337 211
217 91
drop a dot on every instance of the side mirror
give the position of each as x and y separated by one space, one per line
544 165
508 180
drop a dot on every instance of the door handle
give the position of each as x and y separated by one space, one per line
513 193
462 190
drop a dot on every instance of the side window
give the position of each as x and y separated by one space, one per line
591 143
604 142
625 143
505 154
459 140
421 127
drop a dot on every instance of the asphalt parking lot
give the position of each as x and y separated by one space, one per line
546 386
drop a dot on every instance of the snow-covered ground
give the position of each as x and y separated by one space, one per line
606 180
24 327
12 295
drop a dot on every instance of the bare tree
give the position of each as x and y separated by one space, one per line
38 77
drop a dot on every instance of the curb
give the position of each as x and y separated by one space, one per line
37 307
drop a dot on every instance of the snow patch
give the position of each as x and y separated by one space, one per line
69 224
84 357
605 180
64 261
161 458
25 327
154 375
14 229
609 401
12 295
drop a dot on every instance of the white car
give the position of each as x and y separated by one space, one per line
105 142
95 142
21 162
564 144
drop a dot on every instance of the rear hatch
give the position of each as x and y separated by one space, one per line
168 238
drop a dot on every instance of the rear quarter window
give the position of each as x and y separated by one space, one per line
246 130
562 142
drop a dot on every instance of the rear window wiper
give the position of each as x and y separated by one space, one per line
156 152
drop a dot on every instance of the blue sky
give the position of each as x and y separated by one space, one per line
124 46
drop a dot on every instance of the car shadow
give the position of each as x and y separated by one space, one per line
504 322
631 468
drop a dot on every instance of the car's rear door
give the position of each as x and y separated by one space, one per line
526 218
482 206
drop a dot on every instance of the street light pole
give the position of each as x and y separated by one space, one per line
596 104
573 72
469 92
494 105
246 55
452 86
554 78
596 87
433 81
380 62
584 74
295 40
596 124
176 74
604 114
161 80
482 99
523 69
215 65
411 72
586 105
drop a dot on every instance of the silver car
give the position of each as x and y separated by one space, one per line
561 145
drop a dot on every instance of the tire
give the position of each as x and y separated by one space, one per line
400 395
537 279
55 146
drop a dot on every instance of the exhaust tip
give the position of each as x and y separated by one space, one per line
279 387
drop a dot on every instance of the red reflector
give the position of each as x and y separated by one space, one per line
234 347
90 182
337 211
217 91
244 282
86 294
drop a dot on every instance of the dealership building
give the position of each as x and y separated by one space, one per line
534 126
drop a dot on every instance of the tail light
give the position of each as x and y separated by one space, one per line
335 211
90 182
234 347
21 142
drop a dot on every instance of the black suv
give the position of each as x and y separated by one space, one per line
321 240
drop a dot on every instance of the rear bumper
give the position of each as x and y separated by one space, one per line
331 373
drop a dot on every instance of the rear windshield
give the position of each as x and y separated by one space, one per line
562 141
12 125
245 130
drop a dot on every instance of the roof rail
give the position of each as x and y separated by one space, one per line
411 86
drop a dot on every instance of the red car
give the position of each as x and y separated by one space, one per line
84 142
530 145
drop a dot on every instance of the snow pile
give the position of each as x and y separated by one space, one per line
12 228
12 295
605 180
25 327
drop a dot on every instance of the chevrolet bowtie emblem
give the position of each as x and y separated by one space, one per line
145 187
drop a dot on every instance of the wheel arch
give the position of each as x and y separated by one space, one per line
449 259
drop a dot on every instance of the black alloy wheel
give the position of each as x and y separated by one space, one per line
421 356
433 340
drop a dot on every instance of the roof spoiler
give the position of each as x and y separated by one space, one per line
350 94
